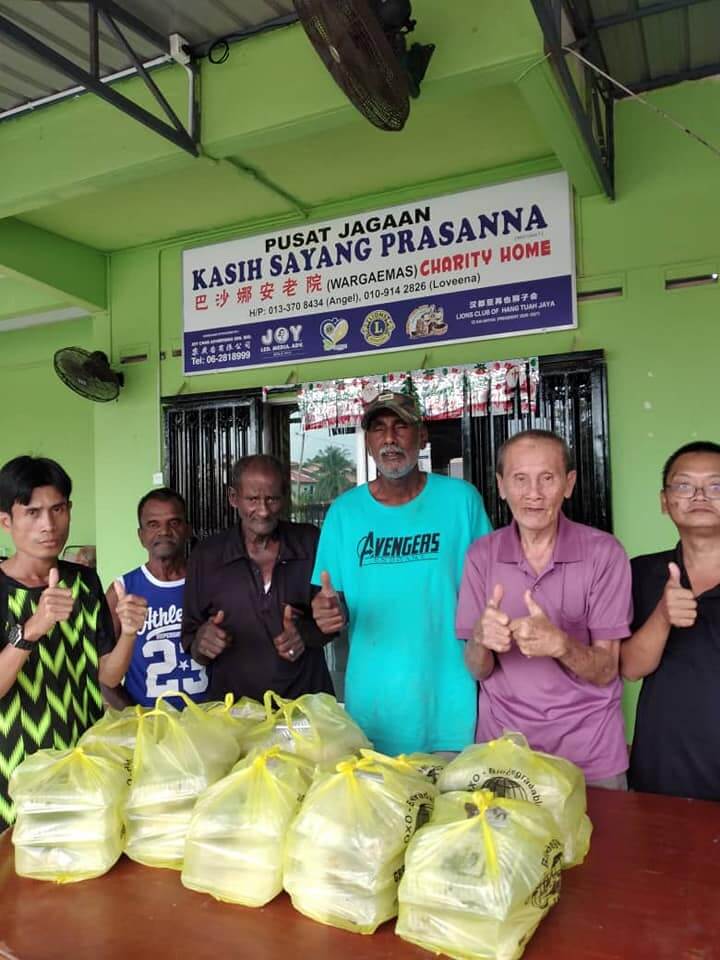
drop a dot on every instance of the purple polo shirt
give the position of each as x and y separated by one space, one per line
586 591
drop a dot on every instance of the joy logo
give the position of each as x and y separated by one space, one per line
282 335
333 332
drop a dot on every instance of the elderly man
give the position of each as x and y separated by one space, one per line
675 645
393 549
544 605
247 601
157 663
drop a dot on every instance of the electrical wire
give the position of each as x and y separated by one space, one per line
636 96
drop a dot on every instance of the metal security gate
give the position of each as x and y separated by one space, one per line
204 436
572 402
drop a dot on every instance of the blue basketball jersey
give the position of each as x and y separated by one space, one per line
159 664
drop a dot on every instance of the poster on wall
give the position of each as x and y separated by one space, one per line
492 262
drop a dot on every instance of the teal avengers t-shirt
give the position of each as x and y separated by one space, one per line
399 568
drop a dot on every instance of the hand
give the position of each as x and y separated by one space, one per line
55 604
492 630
536 635
131 610
211 639
677 605
289 643
327 612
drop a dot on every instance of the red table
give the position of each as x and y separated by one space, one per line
649 890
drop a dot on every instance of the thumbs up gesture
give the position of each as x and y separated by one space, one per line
55 604
492 630
327 609
131 610
536 635
678 604
211 638
289 644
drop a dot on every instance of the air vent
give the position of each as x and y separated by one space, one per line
697 280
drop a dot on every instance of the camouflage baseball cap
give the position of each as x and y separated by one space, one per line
405 406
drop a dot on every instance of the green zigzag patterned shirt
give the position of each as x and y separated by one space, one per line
56 696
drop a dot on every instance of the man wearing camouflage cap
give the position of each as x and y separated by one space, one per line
389 564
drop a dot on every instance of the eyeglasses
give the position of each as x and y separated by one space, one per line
686 491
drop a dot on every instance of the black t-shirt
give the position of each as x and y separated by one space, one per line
676 749
221 576
56 695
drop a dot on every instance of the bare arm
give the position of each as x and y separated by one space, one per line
677 607
597 664
479 660
117 696
490 637
113 666
129 611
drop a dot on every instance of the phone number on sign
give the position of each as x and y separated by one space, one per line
400 290
294 306
214 358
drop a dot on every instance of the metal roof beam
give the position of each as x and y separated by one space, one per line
667 80
134 23
147 79
630 16
548 15
177 134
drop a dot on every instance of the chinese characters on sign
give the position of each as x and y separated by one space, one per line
492 262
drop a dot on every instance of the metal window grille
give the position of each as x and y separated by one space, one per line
572 402
203 439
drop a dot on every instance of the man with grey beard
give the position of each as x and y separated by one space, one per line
389 565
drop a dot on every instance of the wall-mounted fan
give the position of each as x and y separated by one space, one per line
88 374
363 45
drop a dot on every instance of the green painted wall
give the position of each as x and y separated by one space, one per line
40 416
661 346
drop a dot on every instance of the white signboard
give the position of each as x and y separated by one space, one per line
493 262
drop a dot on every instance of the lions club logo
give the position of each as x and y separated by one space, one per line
377 328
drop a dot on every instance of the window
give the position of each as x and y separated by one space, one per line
572 402
204 436
323 464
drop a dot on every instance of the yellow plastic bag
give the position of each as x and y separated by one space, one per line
345 849
177 756
248 709
430 765
479 877
509 768
113 736
314 726
69 815
241 717
235 843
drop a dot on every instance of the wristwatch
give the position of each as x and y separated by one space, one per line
15 638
